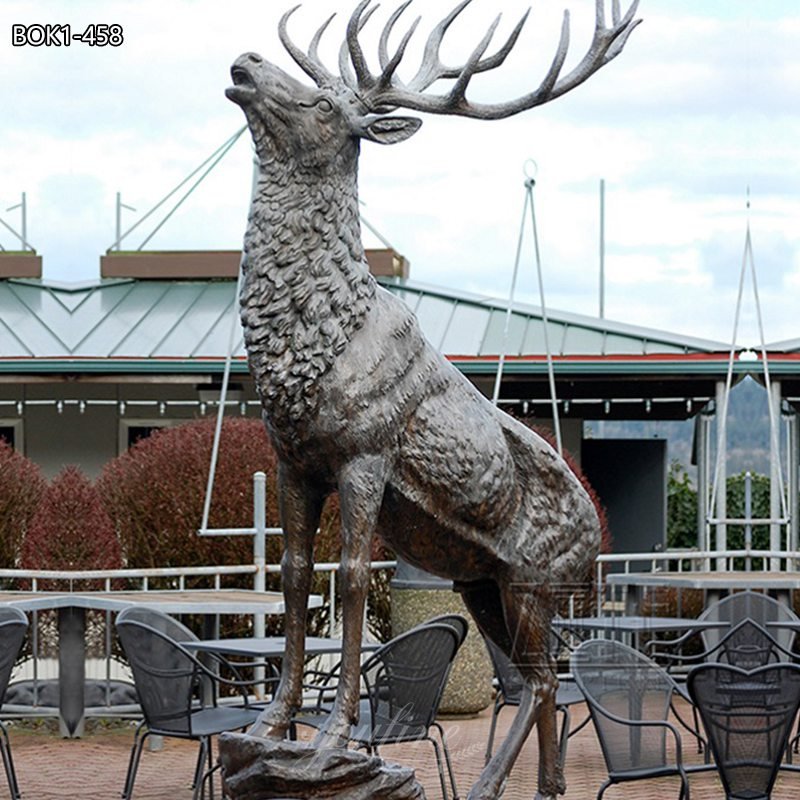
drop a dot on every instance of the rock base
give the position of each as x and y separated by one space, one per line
267 769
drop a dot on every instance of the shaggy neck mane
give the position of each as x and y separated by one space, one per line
307 286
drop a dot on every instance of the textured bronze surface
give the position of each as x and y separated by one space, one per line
265 769
356 401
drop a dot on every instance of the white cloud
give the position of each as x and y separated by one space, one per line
701 104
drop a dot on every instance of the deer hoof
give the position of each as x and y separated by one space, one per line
330 740
267 731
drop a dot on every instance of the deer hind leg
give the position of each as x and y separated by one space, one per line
300 509
519 623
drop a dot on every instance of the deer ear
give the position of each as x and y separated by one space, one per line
390 130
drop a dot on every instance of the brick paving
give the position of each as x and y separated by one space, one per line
93 768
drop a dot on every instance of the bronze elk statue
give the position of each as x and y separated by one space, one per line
356 401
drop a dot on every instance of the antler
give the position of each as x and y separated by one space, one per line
385 91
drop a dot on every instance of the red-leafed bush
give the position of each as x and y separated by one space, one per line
70 529
155 492
21 486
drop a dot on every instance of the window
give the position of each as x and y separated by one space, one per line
11 432
132 430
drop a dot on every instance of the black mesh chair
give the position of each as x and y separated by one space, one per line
403 682
747 645
510 685
13 627
748 716
629 699
456 621
732 610
169 683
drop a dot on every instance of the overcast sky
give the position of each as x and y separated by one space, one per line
702 103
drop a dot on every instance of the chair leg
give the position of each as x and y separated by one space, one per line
497 706
439 765
133 762
8 763
210 773
563 737
684 793
602 789
199 772
447 760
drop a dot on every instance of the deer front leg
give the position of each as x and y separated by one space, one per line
361 487
300 508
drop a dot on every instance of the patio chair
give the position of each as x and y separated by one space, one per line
748 716
747 645
13 627
456 621
510 685
169 684
629 700
404 680
734 609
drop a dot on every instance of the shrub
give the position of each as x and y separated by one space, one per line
21 486
681 508
70 529
154 493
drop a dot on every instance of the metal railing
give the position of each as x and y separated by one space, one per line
37 668
687 561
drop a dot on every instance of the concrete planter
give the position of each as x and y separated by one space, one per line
416 597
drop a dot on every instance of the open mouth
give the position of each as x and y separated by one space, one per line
243 85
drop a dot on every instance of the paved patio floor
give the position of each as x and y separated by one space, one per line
93 768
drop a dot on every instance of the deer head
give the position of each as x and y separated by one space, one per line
357 104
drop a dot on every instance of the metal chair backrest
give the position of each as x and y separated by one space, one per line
13 627
748 646
161 622
623 687
509 679
405 679
456 621
167 677
738 606
748 717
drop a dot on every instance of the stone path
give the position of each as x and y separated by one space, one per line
93 768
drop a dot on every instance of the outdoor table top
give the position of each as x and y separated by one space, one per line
636 624
271 646
708 580
191 601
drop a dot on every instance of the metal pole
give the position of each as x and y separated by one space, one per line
775 510
24 222
702 483
118 226
259 555
748 515
721 543
794 481
260 537
602 248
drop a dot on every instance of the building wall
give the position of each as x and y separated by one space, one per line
89 436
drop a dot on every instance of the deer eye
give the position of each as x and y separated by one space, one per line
324 105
